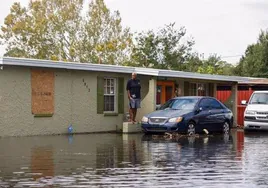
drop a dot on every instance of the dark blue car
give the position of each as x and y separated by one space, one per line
189 115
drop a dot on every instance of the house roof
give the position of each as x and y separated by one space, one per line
10 61
255 81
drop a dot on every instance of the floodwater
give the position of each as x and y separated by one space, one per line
113 160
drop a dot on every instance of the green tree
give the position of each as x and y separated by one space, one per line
214 65
193 63
164 49
104 38
145 51
57 30
47 29
255 61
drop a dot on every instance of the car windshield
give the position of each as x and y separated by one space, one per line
259 98
180 104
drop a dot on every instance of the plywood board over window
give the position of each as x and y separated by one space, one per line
42 92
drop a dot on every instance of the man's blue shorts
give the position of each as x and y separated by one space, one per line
135 103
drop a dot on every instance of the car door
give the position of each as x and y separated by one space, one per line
218 115
204 116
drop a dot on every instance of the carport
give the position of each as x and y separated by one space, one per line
165 84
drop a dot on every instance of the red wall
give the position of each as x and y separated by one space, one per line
223 95
244 93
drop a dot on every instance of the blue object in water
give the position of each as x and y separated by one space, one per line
70 129
70 139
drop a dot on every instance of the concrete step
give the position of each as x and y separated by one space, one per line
129 127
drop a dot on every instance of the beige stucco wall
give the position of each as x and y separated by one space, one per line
73 104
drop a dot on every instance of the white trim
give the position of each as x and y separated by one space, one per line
115 95
196 89
9 61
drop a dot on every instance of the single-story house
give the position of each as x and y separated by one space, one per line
41 97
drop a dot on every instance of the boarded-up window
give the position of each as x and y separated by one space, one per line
42 92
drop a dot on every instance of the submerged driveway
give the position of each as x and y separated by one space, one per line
112 160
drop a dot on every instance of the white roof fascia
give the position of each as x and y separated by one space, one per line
116 69
147 71
191 75
67 65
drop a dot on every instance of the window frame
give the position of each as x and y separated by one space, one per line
210 102
115 94
220 105
208 107
194 91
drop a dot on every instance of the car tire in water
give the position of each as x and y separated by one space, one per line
226 128
191 128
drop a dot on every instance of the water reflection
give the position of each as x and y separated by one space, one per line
188 150
42 163
239 140
111 160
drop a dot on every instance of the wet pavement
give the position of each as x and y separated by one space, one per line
112 160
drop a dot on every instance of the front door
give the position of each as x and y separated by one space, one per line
165 91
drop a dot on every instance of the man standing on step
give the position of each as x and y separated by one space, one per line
134 96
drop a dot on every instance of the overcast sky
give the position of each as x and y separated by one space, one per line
224 27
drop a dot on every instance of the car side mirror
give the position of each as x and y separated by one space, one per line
158 107
244 102
199 109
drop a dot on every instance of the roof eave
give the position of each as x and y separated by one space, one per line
65 65
115 69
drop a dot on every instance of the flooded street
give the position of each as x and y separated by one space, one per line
113 160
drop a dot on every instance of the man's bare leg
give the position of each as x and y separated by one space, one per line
131 114
134 114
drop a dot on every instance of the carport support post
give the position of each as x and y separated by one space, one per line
151 97
148 103
234 102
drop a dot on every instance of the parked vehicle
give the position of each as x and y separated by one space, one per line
256 113
189 115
